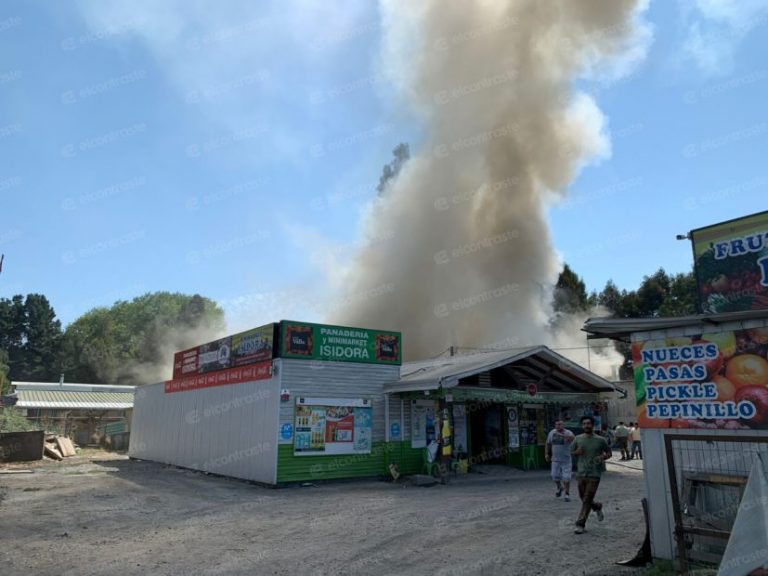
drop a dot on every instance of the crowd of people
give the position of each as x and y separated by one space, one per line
628 441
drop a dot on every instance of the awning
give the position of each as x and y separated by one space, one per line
547 370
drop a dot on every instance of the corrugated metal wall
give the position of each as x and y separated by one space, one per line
229 430
319 379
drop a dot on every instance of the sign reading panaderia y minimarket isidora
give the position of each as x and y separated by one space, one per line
339 343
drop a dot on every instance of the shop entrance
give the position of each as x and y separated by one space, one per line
487 435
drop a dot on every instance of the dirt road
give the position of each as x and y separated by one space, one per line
110 515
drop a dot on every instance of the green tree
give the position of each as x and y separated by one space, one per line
570 293
42 348
652 293
682 299
30 336
5 381
658 295
133 342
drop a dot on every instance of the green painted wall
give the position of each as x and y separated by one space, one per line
292 468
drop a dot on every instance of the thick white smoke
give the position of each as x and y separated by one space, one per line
462 243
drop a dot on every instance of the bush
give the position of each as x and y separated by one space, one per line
11 420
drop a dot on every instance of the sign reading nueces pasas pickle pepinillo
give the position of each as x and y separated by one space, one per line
339 343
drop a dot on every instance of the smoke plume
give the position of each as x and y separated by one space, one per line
466 249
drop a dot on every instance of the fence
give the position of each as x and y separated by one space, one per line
707 476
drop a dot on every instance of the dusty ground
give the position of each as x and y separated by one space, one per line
103 514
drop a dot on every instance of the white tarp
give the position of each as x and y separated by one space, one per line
747 548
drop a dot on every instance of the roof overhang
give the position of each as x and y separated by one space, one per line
75 405
623 328
538 365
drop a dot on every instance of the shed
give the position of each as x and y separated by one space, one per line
87 412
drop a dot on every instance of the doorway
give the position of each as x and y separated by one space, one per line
487 435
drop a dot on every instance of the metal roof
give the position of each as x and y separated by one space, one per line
74 399
538 365
622 328
72 387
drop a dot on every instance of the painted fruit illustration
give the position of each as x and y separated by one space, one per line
758 395
747 370
725 389
726 342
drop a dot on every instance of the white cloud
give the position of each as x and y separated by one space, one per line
716 28
236 65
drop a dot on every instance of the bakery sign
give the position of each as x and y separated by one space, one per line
339 343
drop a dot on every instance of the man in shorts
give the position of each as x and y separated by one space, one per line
592 451
558 452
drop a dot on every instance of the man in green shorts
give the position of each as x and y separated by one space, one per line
592 451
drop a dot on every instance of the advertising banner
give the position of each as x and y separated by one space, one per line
717 380
731 263
325 426
339 343
242 349
250 373
185 363
253 346
216 355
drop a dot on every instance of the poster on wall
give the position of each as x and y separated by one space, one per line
332 426
419 422
513 427
460 428
716 380
339 343
731 264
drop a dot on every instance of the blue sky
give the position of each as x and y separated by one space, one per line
231 150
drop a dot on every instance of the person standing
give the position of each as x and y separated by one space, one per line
622 439
558 452
637 449
592 451
630 429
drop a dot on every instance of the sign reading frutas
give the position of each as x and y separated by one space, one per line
715 380
731 261
339 343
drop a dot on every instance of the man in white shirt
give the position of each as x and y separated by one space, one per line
622 439
558 452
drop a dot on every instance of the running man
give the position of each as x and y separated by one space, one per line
592 451
558 452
